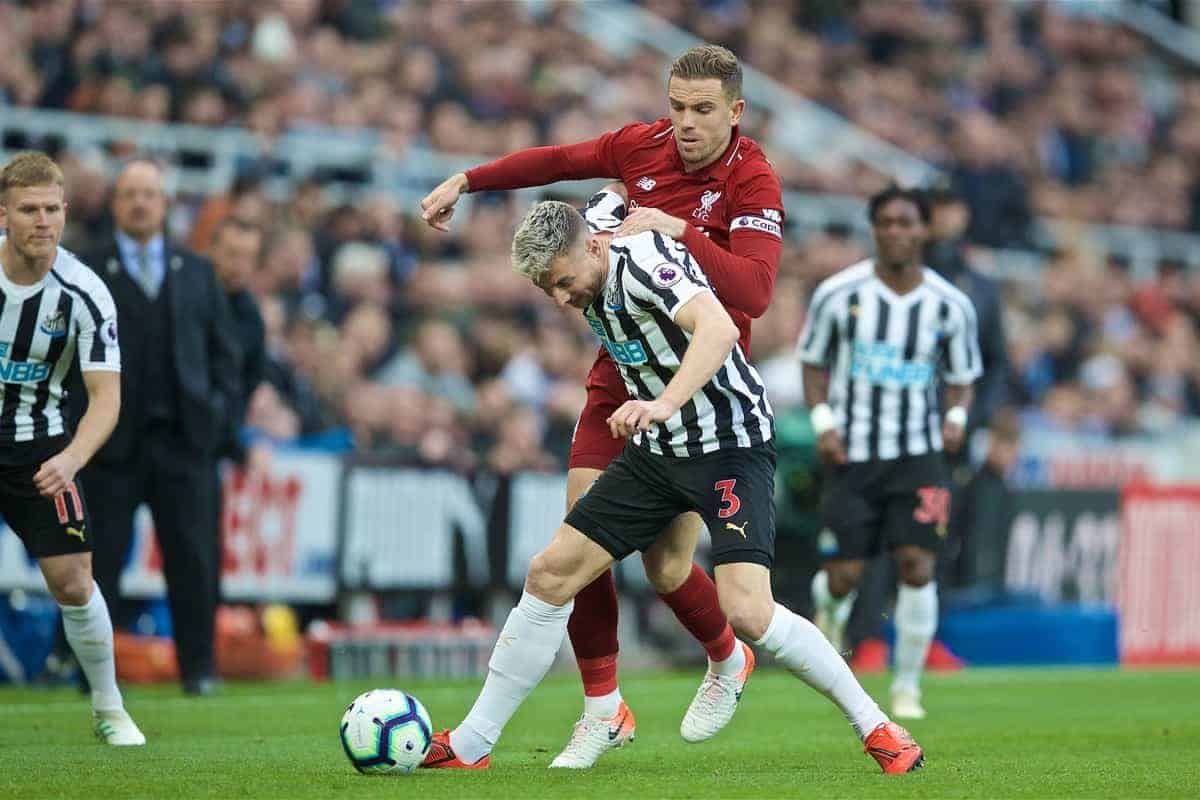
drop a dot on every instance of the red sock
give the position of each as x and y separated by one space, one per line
696 605
593 631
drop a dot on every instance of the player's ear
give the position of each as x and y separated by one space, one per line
737 109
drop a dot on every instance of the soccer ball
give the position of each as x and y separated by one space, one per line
385 731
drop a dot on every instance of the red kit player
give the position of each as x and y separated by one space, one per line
696 178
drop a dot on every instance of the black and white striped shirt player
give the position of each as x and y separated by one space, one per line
715 455
67 315
650 278
885 353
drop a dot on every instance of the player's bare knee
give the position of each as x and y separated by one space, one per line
666 569
545 582
916 574
73 588
749 614
844 577
915 567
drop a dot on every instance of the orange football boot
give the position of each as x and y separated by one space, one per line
894 748
441 755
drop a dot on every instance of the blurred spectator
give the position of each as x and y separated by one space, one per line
974 550
988 183
946 252
180 371
437 364
235 252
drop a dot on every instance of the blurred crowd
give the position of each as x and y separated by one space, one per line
370 313
1035 108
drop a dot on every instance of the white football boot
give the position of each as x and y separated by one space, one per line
593 737
906 704
117 728
715 701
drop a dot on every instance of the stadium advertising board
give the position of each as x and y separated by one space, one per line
1071 461
1062 545
279 534
1158 592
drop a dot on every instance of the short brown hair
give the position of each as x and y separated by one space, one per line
29 168
711 61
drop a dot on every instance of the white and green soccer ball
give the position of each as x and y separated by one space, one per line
385 731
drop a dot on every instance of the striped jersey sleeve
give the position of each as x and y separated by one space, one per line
963 363
817 338
660 272
95 314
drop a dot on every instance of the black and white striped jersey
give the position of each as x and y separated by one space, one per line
43 326
650 277
885 352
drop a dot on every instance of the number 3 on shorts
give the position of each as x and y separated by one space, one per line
727 496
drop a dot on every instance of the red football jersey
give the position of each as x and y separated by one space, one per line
734 206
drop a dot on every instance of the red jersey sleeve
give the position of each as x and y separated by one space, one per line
744 277
538 166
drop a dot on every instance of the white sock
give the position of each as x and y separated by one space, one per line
522 657
803 649
732 665
837 608
916 622
602 706
90 634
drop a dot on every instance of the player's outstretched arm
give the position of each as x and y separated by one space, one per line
438 206
713 337
104 404
534 166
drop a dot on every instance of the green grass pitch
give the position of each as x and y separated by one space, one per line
990 734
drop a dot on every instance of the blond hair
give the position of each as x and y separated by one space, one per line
711 61
29 168
549 230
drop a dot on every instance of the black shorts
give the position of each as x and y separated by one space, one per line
641 492
48 527
905 501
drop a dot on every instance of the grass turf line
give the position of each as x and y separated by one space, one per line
990 734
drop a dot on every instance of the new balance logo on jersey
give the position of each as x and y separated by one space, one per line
773 215
646 183
707 201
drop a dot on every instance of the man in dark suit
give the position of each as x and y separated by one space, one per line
181 377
